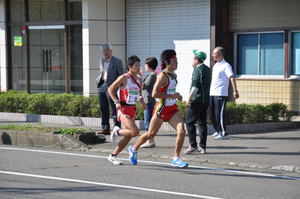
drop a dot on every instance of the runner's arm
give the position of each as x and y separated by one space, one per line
141 99
161 82
116 84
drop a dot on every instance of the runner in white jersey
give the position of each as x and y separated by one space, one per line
166 109
129 92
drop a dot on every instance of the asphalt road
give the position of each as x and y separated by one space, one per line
35 173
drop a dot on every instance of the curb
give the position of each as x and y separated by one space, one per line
41 139
94 122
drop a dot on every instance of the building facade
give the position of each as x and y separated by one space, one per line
54 45
262 39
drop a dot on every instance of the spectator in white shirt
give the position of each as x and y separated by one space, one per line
222 74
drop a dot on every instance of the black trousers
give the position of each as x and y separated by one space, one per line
105 102
197 116
217 107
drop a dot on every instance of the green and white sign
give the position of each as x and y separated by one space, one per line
18 41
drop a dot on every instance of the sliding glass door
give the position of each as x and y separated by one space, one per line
46 59
46 45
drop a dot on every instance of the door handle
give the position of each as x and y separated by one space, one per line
46 61
50 60
43 60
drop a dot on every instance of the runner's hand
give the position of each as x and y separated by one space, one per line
179 98
175 96
118 106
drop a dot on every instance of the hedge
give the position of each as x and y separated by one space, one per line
49 104
78 105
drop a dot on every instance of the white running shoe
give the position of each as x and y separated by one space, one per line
215 134
148 145
114 160
190 150
226 137
114 134
201 150
219 137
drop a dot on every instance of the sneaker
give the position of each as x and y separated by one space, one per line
226 137
114 160
190 150
179 163
148 145
114 134
132 155
215 134
219 137
201 150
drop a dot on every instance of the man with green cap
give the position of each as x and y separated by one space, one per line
198 102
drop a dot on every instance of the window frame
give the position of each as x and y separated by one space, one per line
258 76
292 75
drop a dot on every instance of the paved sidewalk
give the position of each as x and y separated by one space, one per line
274 150
277 150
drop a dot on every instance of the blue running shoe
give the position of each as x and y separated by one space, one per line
179 163
132 155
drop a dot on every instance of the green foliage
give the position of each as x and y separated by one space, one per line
256 113
28 127
69 131
182 107
139 112
78 105
49 104
14 101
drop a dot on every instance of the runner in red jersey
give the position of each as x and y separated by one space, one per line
129 92
166 110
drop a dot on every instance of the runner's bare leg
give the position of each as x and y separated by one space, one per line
177 123
154 127
131 130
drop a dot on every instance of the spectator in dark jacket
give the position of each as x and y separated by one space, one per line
148 83
198 102
111 68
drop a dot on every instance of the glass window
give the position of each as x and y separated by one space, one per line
260 54
46 51
296 53
271 54
46 10
17 11
75 40
75 10
248 54
18 67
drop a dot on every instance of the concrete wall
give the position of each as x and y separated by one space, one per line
3 65
103 22
270 91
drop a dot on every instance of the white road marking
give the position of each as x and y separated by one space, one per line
153 162
106 184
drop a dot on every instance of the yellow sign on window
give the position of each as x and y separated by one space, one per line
18 41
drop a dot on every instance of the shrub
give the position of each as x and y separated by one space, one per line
78 105
13 101
69 131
